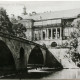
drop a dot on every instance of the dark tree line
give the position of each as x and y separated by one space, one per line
6 26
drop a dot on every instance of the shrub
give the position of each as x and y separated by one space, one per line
74 43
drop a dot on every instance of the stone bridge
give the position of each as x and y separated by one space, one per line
17 53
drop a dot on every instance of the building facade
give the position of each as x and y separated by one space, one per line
49 27
49 30
52 30
46 31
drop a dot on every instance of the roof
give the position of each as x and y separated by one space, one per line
55 14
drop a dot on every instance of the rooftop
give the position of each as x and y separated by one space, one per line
51 15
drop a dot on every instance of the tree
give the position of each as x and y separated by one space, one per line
5 24
75 56
13 19
76 33
76 25
19 30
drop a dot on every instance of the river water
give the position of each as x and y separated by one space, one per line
61 74
64 74
39 74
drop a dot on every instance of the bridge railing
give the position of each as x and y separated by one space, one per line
9 36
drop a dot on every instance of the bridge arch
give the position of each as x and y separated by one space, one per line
36 56
22 53
6 58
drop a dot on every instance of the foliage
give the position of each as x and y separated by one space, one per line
65 44
8 27
13 19
74 54
5 24
74 34
19 30
74 43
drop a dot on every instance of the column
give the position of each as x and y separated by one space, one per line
46 33
34 36
60 33
41 35
51 33
56 33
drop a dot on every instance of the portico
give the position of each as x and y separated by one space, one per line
51 33
47 29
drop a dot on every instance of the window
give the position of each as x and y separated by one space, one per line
49 31
58 32
36 35
66 32
39 35
54 33
44 33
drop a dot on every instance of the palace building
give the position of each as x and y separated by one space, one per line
49 27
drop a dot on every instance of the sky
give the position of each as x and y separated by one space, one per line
16 7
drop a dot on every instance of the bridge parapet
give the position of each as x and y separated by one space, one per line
20 39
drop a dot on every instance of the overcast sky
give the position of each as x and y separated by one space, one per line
16 7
